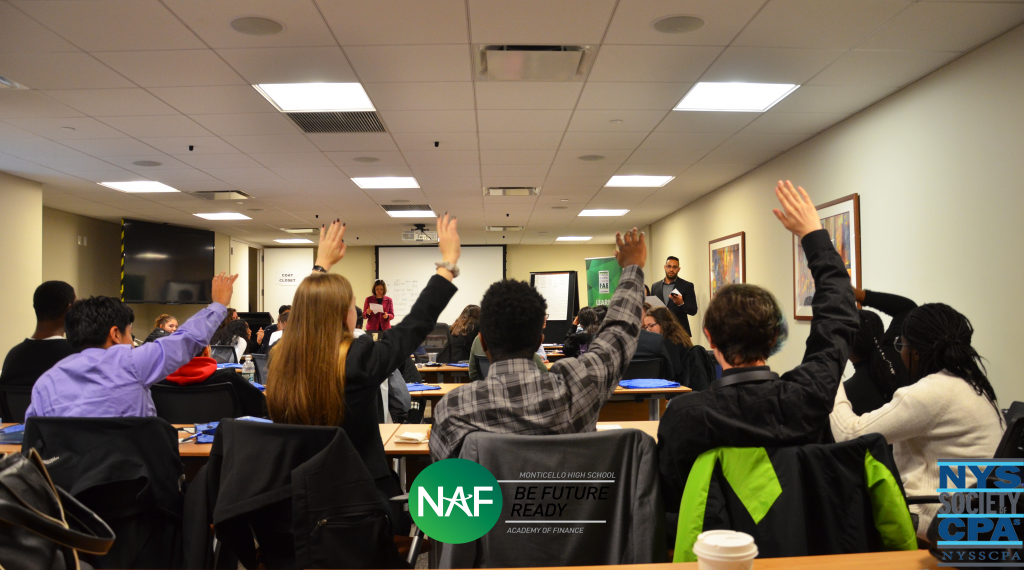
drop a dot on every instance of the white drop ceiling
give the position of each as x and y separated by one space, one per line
144 79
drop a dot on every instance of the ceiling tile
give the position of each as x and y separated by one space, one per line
441 157
159 126
180 145
290 64
271 143
539 21
166 163
383 64
705 122
601 140
234 175
445 141
352 141
679 156
525 141
248 124
779 122
631 169
111 147
389 22
681 64
611 156
519 180
946 26
113 102
111 25
832 99
67 128
426 96
293 160
740 153
372 170
813 24
889 67
583 170
429 121
383 157
627 120
205 161
634 19
214 99
306 173
673 141
59 71
770 65
505 121
527 94
178 68
19 33
620 95
707 173
516 156
211 20
512 170
435 171
21 104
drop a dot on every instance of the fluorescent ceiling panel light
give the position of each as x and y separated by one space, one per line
413 214
574 238
218 216
638 181
294 240
738 97
313 97
603 212
387 182
299 230
139 186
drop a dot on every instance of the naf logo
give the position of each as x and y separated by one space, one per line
458 499
455 501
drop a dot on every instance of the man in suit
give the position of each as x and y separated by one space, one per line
682 304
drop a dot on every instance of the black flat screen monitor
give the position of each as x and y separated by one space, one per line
166 264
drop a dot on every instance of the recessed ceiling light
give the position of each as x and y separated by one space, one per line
289 97
615 121
504 228
293 240
574 238
412 214
299 230
599 212
256 26
147 163
678 24
366 159
591 157
737 97
638 181
219 216
564 200
387 182
139 186
511 190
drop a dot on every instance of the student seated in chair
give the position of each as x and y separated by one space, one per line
26 362
516 397
202 371
109 378
751 406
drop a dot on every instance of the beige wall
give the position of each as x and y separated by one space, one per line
21 233
360 267
939 172
84 252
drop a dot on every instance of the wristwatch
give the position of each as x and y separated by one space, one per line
319 268
449 266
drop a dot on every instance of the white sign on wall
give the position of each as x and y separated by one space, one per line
288 278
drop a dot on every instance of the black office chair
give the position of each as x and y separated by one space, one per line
261 363
439 337
643 368
482 364
224 354
444 356
14 400
196 404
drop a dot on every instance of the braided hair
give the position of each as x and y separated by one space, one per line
867 346
942 337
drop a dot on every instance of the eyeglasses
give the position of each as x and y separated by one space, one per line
667 266
649 327
900 343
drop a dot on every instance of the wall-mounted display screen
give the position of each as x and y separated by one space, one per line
165 263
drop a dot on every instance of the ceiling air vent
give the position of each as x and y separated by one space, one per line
338 122
511 190
504 228
532 63
221 195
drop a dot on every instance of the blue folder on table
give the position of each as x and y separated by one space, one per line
647 384
418 387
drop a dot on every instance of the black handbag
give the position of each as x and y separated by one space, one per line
41 526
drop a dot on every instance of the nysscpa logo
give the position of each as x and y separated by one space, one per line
455 501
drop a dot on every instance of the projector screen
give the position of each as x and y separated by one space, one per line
406 270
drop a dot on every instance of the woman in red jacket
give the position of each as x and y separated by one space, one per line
379 320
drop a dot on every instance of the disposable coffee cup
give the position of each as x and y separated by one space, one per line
725 550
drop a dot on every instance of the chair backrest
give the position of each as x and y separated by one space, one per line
224 354
436 340
643 368
196 404
1015 411
261 363
444 355
482 364
623 502
1011 446
14 400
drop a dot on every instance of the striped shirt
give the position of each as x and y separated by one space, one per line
516 397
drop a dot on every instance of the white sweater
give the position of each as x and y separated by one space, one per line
938 417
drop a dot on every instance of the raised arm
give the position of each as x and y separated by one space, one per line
888 303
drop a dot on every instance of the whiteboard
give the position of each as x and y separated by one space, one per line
554 287
406 270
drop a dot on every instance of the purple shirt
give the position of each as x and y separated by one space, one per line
114 382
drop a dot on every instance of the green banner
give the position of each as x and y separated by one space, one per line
603 275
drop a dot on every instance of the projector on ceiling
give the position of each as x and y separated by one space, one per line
419 233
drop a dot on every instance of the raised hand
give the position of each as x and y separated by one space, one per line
799 215
332 245
448 240
222 288
631 249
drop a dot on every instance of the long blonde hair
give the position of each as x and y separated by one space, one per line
306 383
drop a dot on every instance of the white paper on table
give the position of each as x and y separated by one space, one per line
376 308
608 426
411 437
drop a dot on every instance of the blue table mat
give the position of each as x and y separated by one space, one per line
647 383
228 365
417 387
460 364
208 430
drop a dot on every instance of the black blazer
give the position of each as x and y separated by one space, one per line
369 363
689 306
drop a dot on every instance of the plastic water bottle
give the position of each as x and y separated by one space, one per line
249 369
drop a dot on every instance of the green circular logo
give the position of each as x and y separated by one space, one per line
455 501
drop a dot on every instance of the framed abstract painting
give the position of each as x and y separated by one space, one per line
728 261
841 219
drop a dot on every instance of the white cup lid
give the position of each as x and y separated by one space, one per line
727 544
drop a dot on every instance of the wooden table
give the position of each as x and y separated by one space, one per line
440 371
905 560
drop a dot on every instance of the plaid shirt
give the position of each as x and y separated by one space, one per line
518 398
